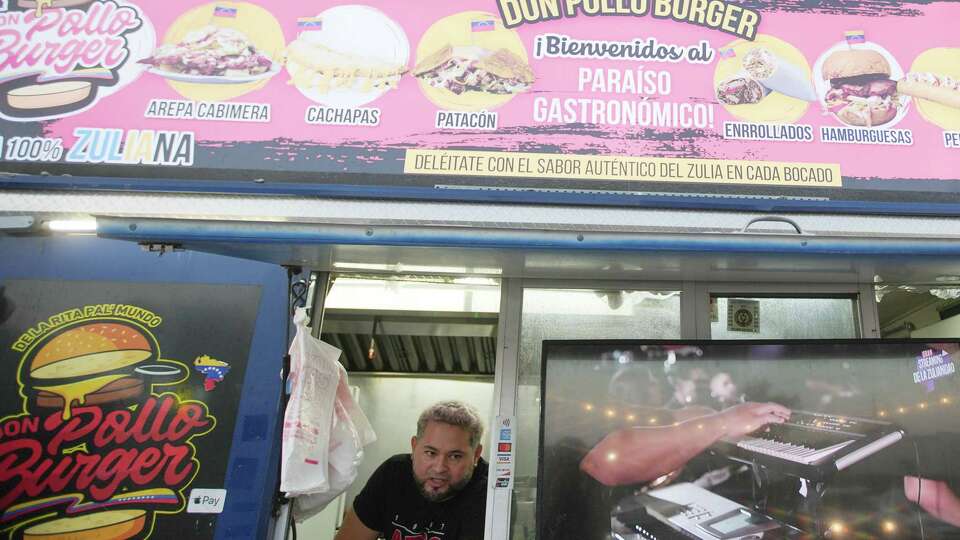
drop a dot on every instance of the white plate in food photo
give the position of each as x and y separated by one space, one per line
217 79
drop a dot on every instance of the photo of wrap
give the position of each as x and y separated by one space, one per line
778 75
765 80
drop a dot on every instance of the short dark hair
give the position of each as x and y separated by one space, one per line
454 413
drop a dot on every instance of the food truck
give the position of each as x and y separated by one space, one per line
598 221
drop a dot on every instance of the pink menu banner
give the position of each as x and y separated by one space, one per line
679 96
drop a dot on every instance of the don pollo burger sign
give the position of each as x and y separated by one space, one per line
98 448
61 57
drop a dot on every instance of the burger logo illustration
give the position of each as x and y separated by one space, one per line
96 453
95 363
71 75
111 524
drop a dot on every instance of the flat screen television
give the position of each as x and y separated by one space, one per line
749 439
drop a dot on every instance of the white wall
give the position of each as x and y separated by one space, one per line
947 328
926 321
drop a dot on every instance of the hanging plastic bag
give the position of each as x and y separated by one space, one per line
324 430
349 433
313 379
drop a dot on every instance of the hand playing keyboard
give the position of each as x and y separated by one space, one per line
740 420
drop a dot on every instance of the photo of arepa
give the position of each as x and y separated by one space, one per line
347 56
218 51
777 74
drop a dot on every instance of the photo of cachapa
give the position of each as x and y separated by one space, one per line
348 56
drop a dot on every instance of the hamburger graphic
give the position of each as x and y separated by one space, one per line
90 363
861 91
111 524
98 375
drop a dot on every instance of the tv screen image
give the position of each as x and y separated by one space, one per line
749 439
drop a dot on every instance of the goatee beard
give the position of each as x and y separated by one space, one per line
451 490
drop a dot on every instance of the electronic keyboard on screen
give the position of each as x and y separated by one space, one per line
812 445
688 511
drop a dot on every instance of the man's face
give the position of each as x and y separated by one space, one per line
443 461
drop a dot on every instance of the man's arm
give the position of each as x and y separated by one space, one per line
642 454
934 496
354 529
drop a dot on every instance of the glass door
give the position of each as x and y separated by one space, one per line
551 311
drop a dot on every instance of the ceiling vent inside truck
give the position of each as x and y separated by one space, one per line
425 324
413 342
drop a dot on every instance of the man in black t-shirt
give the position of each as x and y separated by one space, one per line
437 492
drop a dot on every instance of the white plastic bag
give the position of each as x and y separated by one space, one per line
314 376
324 431
349 433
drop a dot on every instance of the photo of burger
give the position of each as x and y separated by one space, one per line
92 364
858 85
111 524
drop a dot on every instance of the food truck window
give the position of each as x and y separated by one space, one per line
919 310
554 313
756 317
408 341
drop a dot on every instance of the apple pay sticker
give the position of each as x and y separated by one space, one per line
206 501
